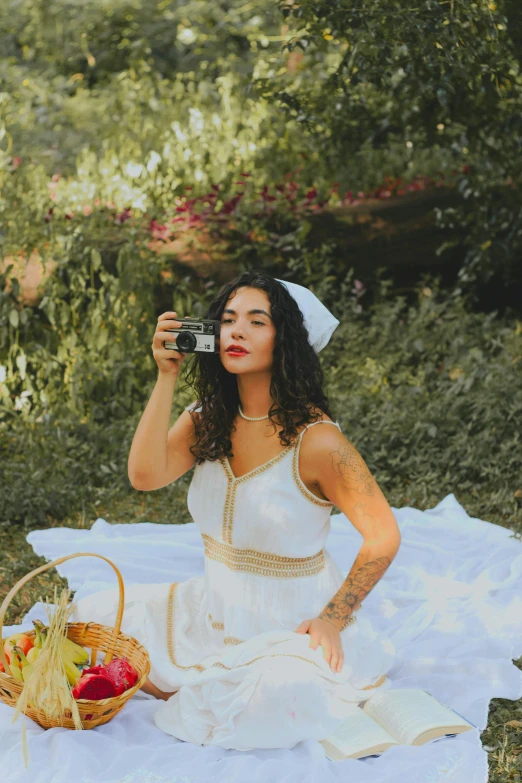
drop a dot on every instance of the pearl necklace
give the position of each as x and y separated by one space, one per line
252 418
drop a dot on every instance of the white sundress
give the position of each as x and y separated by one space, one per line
226 639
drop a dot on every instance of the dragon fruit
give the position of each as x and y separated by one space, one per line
119 671
93 686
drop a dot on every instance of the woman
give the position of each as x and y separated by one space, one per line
271 645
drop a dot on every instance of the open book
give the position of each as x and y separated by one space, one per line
404 716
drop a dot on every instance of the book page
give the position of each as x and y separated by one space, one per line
408 712
357 736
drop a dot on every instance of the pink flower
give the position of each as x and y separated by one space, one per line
123 216
158 231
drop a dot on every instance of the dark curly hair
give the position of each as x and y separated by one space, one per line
295 386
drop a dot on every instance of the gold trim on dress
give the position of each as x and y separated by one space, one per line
172 653
264 563
216 623
170 632
221 627
233 482
232 640
301 486
376 685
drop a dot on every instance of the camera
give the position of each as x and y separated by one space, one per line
196 335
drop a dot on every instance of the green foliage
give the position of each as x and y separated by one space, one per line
86 348
428 392
130 104
380 84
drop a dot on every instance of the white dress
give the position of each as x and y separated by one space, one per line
226 639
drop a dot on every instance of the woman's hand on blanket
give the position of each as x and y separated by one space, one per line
325 634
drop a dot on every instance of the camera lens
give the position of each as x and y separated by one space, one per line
186 342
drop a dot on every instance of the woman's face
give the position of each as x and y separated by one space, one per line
253 331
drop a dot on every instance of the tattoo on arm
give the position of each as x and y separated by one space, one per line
352 592
348 463
366 521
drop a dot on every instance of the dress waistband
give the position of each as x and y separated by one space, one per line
264 563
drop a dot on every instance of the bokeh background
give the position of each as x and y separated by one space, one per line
150 150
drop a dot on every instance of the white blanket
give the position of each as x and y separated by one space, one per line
451 602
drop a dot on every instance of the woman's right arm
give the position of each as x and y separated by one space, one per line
158 456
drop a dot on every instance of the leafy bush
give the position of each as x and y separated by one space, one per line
428 392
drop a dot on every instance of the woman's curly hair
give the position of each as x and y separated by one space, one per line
295 386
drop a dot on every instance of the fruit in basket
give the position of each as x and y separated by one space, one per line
93 686
69 656
75 652
70 650
119 671
71 670
25 666
15 666
22 640
33 654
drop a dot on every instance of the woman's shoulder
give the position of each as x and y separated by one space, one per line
318 415
317 437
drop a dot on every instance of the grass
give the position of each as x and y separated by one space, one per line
428 392
17 558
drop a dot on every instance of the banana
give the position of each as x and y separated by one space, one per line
16 672
72 671
38 638
33 654
26 666
16 666
75 652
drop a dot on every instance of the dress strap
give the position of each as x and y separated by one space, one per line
295 466
322 421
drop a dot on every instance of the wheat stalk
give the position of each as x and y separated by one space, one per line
47 688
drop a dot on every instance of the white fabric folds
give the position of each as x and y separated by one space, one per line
450 603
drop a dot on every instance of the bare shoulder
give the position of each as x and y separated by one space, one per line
317 444
318 440
325 451
320 416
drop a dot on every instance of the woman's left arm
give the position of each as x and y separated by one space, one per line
344 478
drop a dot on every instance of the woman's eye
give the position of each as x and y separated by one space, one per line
227 320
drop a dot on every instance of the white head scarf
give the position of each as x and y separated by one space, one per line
319 321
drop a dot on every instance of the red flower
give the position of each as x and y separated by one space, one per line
123 216
158 231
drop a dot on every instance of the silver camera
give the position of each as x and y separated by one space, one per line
196 335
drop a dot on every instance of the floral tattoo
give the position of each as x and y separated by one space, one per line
348 463
352 592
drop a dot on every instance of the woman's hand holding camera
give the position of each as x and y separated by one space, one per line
168 360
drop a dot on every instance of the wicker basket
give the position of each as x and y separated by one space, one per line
91 635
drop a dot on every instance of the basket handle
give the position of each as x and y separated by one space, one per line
119 614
